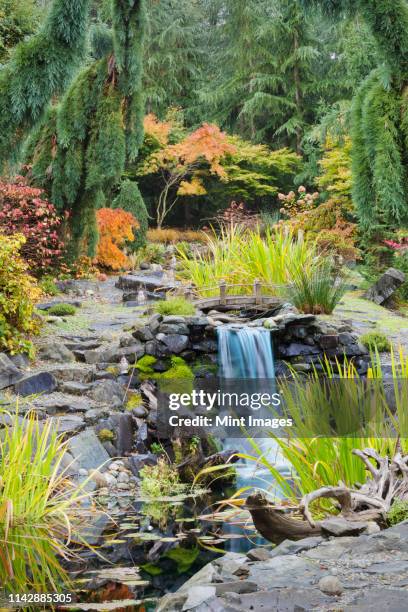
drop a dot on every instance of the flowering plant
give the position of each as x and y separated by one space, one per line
295 203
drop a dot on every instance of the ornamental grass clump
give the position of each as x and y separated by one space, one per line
316 291
239 257
39 506
332 416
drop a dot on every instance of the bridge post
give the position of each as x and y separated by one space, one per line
223 292
257 291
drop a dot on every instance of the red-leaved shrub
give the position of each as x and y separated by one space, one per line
23 210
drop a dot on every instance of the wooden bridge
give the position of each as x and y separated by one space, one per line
223 300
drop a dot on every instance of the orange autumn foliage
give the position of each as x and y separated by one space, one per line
115 227
207 143
159 130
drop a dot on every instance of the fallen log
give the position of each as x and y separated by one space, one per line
387 482
275 524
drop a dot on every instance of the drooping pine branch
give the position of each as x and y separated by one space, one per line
39 69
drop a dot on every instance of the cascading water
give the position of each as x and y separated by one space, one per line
245 352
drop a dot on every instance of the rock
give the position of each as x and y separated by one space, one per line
154 322
270 324
137 462
329 341
57 403
330 585
297 350
108 392
9 373
68 424
258 554
56 352
79 373
124 441
21 361
386 286
238 586
339 527
82 345
115 354
175 343
99 479
206 346
74 388
88 451
346 338
144 334
126 340
139 412
110 479
43 382
198 595
173 328
123 477
123 486
289 547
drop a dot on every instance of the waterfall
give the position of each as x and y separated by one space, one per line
245 352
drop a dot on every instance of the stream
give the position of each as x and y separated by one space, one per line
154 546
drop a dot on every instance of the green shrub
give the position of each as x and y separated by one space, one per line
62 310
18 292
316 291
398 512
160 480
175 306
48 286
376 341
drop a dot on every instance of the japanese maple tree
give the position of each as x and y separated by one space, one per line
183 165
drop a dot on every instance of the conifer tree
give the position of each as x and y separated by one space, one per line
39 69
264 54
380 116
82 149
174 56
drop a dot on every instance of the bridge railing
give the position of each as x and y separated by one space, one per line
221 293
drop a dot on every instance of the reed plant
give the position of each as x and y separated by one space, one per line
241 256
39 506
316 290
332 415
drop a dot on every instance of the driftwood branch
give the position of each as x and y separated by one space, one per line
387 481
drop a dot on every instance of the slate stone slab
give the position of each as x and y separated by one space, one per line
9 373
386 286
88 451
43 382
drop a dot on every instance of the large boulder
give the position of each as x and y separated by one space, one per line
386 286
56 352
42 382
108 392
87 450
9 373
